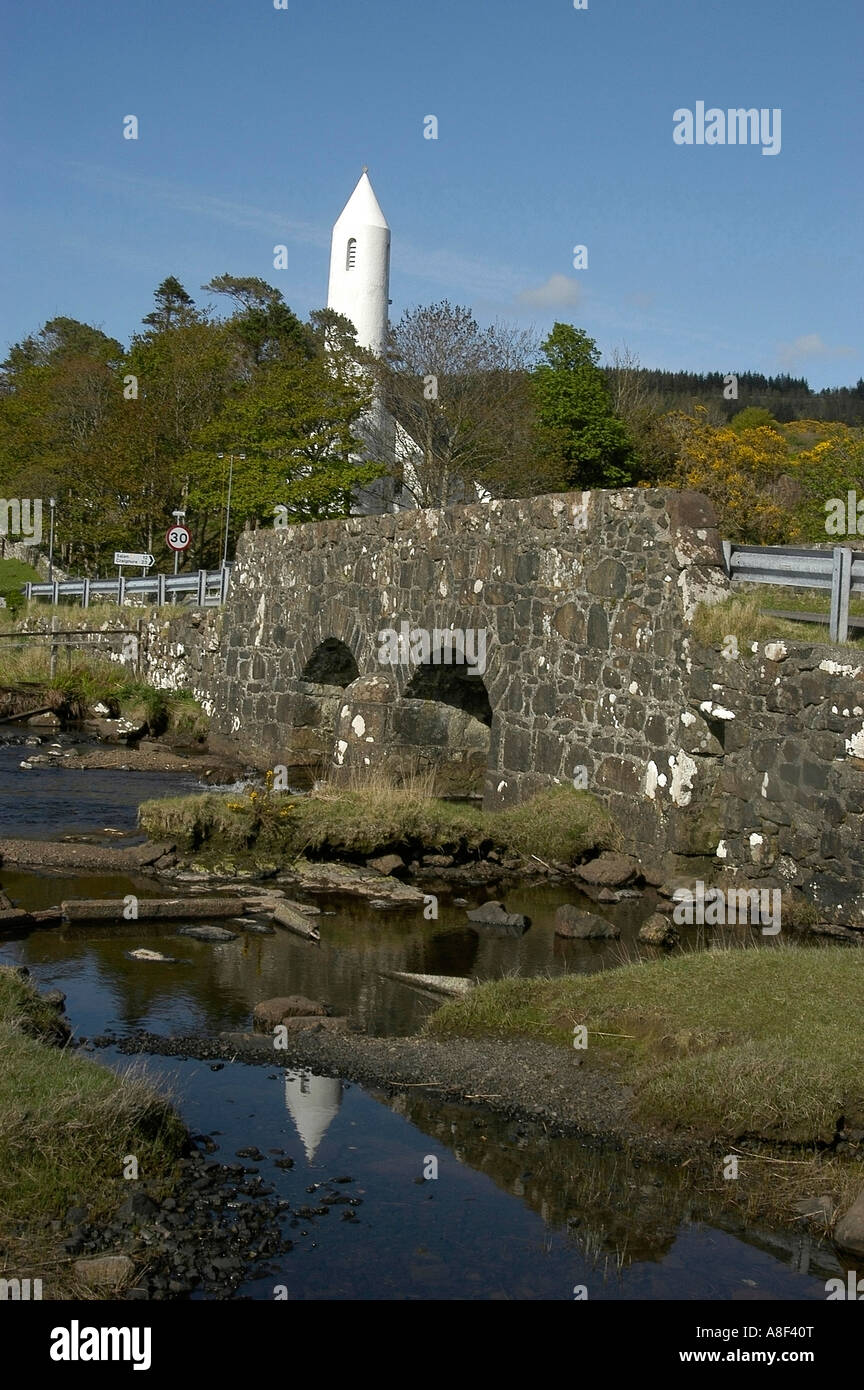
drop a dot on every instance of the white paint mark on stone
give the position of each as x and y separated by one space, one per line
721 850
688 718
716 711
775 651
765 785
683 772
855 745
358 724
834 668
651 780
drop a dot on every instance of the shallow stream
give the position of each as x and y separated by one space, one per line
512 1213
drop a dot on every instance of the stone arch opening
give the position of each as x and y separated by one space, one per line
451 685
331 663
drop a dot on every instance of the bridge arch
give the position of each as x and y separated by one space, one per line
331 663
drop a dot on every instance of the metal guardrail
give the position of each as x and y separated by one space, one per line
208 588
839 571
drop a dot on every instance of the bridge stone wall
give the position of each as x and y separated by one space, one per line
583 600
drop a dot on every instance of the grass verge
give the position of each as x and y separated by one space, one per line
743 616
725 1043
66 1125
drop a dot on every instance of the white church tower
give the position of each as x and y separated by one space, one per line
360 266
359 288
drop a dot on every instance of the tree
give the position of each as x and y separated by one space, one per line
296 422
459 396
577 427
263 326
173 306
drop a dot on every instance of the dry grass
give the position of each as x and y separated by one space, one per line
377 816
743 616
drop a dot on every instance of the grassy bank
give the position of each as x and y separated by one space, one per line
743 615
724 1043
558 824
83 680
66 1125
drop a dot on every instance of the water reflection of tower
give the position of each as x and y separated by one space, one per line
312 1102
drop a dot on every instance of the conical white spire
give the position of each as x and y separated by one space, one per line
359 284
313 1102
362 208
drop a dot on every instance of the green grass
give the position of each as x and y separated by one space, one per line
559 823
66 1124
13 575
743 616
725 1042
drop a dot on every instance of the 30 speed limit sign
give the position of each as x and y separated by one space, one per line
178 537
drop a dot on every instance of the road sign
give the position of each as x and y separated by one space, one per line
178 537
129 557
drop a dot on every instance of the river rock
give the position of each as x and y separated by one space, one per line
849 1231
658 930
571 921
609 870
295 917
48 916
386 863
671 886
146 909
354 879
14 917
494 914
438 861
455 985
272 1011
315 1024
106 1271
156 956
213 934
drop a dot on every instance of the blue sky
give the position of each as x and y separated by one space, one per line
555 129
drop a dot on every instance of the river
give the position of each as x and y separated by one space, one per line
511 1214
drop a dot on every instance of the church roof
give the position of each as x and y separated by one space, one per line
363 208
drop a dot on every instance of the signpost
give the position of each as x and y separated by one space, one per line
134 557
178 538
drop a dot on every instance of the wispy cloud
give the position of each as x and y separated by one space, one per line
440 266
183 199
807 347
558 292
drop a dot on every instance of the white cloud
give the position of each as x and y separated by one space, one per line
558 292
808 346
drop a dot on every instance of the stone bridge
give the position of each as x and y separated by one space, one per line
569 659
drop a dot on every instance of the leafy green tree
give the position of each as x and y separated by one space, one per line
576 425
263 326
296 422
173 306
